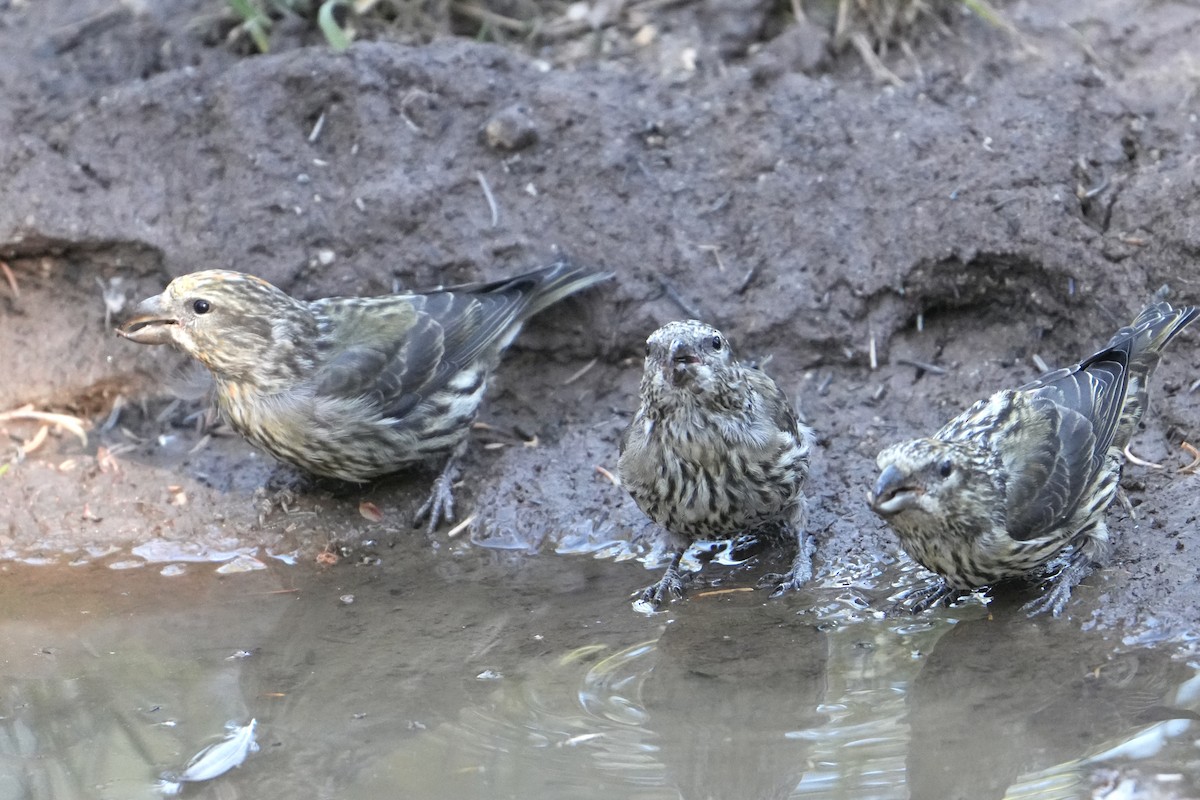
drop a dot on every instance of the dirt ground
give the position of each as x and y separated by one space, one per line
1014 196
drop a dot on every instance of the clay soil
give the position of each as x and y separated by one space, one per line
1010 198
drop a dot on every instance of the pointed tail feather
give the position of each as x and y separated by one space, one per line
1145 338
555 283
1143 341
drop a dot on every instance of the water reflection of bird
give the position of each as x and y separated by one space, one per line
1000 698
351 387
1021 481
731 679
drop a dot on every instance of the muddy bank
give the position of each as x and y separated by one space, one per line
1020 198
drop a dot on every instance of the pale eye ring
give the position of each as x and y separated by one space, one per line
201 306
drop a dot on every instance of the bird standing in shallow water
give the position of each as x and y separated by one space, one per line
351 387
714 450
1019 482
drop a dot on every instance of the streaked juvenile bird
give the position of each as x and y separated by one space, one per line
351 387
1017 485
714 450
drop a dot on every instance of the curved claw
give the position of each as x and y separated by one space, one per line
801 571
440 504
670 585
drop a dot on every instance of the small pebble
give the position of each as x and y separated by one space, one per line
510 129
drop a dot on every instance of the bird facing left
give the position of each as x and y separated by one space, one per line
351 387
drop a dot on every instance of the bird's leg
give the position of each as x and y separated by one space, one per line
801 571
671 584
1123 499
1090 548
440 504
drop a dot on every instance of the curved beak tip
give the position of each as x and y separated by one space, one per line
891 481
148 325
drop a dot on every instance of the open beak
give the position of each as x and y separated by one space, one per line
677 369
683 355
894 491
150 323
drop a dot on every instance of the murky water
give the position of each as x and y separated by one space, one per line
483 674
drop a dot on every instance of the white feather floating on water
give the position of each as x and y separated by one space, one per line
214 760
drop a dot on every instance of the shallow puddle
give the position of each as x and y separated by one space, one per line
483 674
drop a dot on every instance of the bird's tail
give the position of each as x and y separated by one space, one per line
1145 337
540 288
546 286
1143 341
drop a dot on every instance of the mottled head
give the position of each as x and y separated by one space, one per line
686 357
239 326
934 485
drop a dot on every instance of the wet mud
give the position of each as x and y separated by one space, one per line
889 253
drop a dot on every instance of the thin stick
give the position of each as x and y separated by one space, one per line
12 279
72 424
873 356
487 17
460 527
673 293
36 441
317 128
877 68
579 373
1141 462
1040 363
613 479
491 201
719 592
921 365
1195 454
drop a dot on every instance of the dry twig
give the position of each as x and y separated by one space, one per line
64 421
1141 462
1191 468
613 479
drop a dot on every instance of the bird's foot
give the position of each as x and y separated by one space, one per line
924 598
1059 587
280 492
267 501
670 586
440 504
801 571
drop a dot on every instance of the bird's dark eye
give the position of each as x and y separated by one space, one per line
945 468
647 349
717 344
201 306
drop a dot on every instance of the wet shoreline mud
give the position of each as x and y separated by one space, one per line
843 233
889 253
